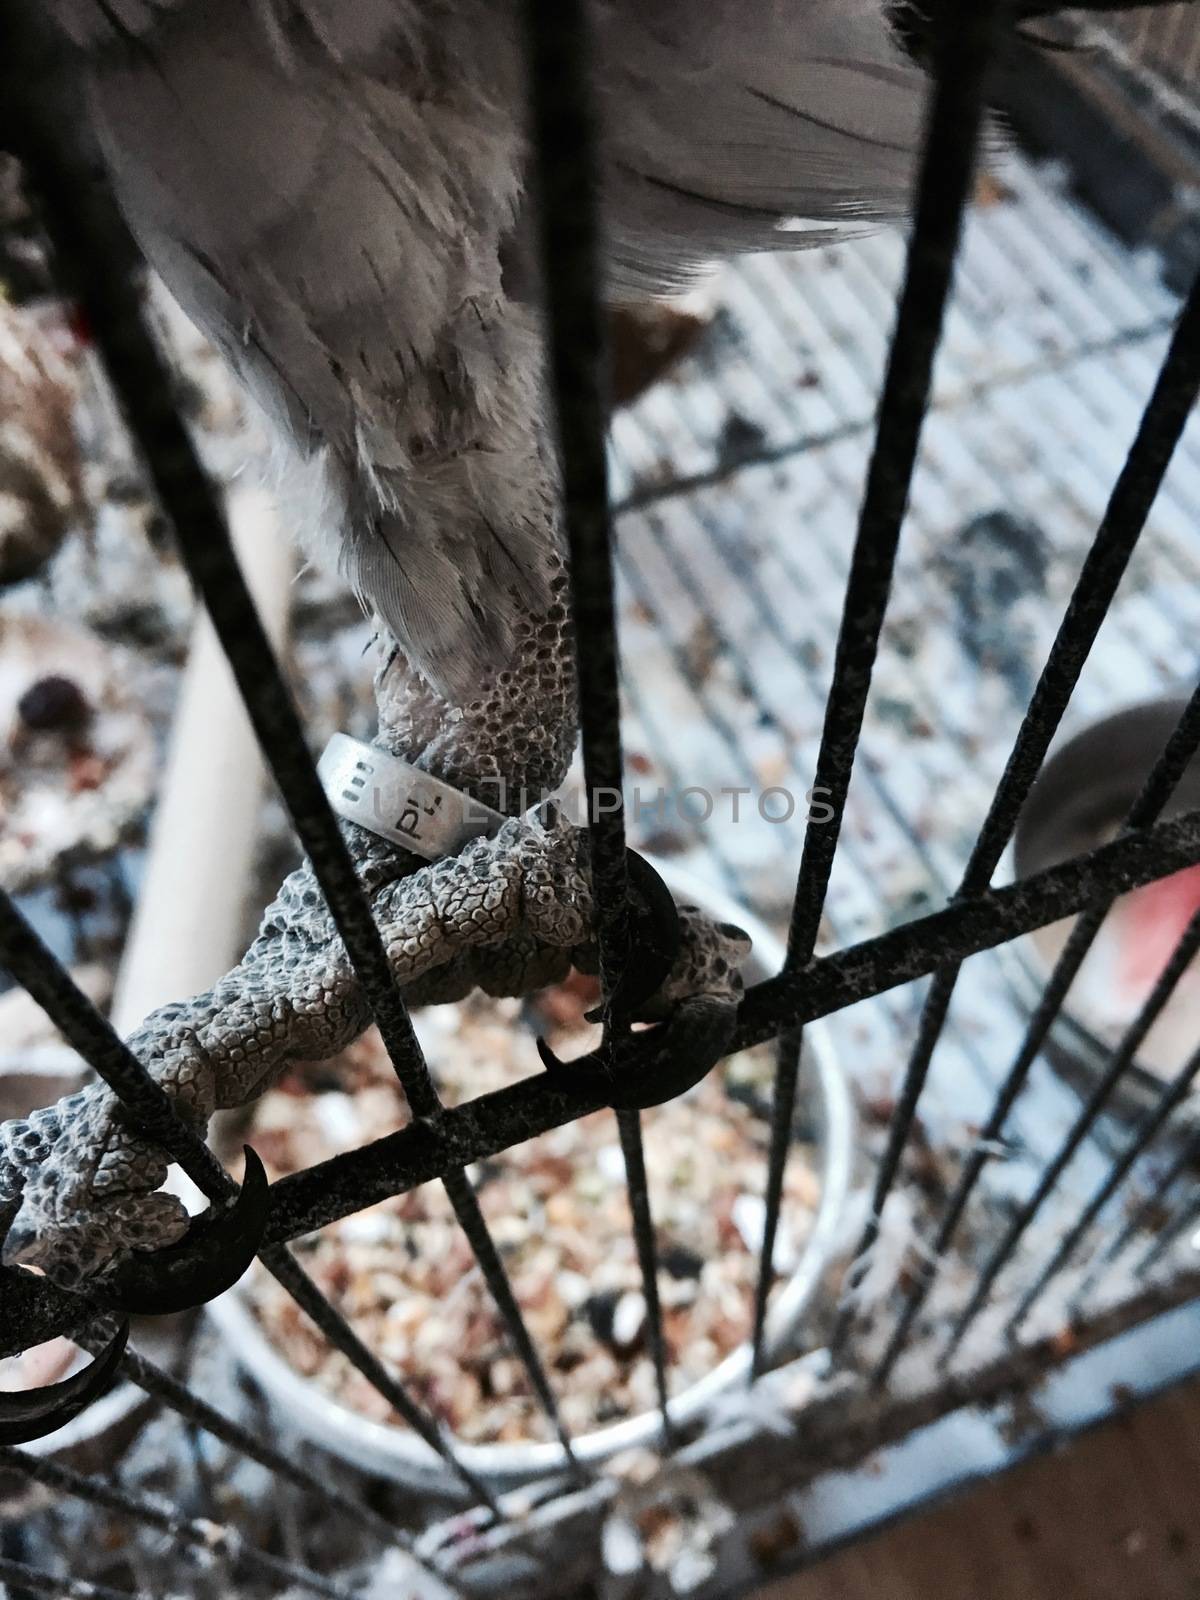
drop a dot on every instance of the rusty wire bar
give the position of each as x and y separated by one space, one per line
1173 1094
24 955
789 1054
33 1309
1187 1217
16 1576
199 1414
483 1246
965 928
1136 489
83 225
629 1127
291 1276
212 1538
1123 1057
151 1110
1156 793
1143 1214
947 172
559 47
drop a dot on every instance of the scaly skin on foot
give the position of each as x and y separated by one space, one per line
507 914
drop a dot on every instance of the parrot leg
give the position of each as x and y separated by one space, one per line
507 914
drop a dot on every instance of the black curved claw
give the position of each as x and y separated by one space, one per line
666 1061
210 1258
549 1060
654 937
34 1413
662 1062
656 1064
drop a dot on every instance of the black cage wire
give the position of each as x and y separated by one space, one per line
940 1339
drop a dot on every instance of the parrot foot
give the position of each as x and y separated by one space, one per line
509 914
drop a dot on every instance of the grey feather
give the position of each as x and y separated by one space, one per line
329 187
725 120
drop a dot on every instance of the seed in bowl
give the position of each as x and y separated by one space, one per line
403 1273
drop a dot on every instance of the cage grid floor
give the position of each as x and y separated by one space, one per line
740 479
732 571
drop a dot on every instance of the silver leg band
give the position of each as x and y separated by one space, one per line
399 802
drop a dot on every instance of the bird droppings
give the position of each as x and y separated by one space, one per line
666 1520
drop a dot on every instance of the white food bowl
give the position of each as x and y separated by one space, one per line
394 1452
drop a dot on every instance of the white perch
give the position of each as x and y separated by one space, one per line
189 922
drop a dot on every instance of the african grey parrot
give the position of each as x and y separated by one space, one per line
337 191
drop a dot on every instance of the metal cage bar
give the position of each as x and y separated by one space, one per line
19 1578
198 1413
559 47
1122 1059
1142 1216
33 1309
1186 1217
1148 1129
84 225
441 1143
196 1533
1178 754
946 175
1162 426
317 1307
